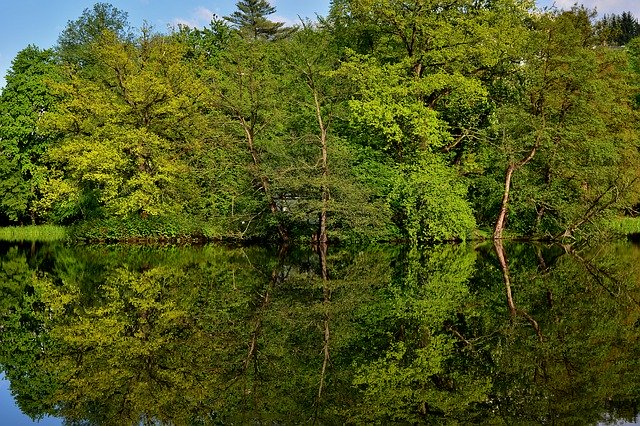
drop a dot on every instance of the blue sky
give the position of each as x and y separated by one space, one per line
39 22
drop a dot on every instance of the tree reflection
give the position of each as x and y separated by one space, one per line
129 335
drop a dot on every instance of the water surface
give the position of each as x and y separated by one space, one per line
219 335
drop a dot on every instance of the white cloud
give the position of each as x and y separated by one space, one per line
605 6
200 17
287 21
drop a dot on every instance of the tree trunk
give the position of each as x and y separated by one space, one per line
500 223
322 234
264 182
322 253
504 266
513 311
502 216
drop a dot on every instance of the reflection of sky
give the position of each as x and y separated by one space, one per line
10 414
622 423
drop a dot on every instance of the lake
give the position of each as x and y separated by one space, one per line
453 334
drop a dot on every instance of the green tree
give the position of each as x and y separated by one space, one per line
250 19
561 108
422 91
618 29
129 136
74 43
243 88
320 180
25 98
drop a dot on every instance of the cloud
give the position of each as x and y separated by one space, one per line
200 17
287 21
605 6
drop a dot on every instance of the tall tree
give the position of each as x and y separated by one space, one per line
244 88
24 100
618 29
421 96
323 166
128 135
74 41
568 129
251 19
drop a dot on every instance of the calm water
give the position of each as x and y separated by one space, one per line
212 335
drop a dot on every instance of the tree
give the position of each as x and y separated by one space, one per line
618 29
75 40
24 100
243 88
129 135
421 93
561 109
322 176
251 19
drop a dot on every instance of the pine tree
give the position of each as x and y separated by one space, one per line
250 18
619 29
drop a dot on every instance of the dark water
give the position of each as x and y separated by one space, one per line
116 335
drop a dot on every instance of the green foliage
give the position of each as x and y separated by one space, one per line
430 202
618 29
135 228
129 137
74 43
250 19
387 106
25 98
566 129
119 334
370 124
623 226
205 45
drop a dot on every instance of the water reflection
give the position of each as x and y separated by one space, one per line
214 335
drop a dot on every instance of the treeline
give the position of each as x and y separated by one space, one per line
422 120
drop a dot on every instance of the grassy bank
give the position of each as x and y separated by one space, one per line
624 226
142 230
43 233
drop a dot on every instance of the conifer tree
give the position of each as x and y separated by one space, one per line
251 19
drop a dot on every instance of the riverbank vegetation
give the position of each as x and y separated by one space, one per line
42 233
421 121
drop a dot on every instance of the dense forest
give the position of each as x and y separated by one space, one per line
424 120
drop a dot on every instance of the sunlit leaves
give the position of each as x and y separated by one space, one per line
129 135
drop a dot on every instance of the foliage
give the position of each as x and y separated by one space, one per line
384 120
561 109
74 43
25 98
429 200
250 19
623 225
118 334
618 29
129 136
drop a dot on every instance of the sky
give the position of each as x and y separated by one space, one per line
11 414
39 22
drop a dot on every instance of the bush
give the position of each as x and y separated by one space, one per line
430 203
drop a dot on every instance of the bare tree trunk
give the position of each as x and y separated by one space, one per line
322 253
504 266
264 182
513 310
502 216
322 234
504 206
